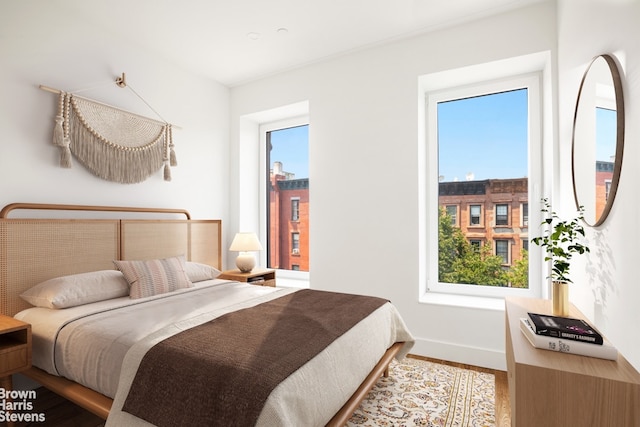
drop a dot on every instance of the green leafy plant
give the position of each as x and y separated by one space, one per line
561 240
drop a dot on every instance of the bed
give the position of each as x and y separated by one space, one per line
131 344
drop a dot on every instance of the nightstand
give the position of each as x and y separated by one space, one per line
15 349
257 276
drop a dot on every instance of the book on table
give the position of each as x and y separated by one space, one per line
546 342
568 328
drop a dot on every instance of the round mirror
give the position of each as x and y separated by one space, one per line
598 139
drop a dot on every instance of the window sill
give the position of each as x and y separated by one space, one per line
467 301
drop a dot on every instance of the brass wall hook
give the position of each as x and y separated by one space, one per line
122 81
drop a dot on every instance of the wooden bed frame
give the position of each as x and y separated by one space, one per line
34 250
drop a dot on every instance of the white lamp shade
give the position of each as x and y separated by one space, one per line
245 242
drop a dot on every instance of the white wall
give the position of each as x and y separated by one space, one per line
364 139
43 43
606 280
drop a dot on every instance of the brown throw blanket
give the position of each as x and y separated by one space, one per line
221 373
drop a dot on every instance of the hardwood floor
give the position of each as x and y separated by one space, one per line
62 413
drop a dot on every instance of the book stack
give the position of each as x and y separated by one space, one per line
259 280
566 335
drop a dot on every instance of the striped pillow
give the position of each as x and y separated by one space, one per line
154 277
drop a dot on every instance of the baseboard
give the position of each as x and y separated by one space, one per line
485 358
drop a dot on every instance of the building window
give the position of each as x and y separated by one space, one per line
502 214
524 208
295 243
483 147
475 244
475 212
525 244
295 209
452 211
502 250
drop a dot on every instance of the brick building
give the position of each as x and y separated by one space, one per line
288 221
604 175
492 211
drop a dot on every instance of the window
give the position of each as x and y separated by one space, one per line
295 209
483 143
295 243
286 148
475 244
502 250
502 214
474 214
452 211
525 244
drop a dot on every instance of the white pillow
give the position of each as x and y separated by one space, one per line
77 289
198 272
154 277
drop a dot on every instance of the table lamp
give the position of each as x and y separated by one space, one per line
245 243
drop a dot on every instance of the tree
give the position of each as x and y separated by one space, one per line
519 273
451 244
461 262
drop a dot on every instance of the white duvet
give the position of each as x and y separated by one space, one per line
100 346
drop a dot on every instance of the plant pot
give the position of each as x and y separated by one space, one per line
560 298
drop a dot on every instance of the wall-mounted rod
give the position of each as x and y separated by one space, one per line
58 91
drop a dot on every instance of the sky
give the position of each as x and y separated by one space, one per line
606 129
291 147
484 137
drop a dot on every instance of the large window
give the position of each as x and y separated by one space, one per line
482 143
287 196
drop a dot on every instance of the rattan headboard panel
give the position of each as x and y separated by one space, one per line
33 250
197 240
151 239
206 242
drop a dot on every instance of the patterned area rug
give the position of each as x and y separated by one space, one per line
422 393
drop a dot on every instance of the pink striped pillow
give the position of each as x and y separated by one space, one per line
154 277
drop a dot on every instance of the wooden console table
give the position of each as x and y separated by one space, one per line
550 389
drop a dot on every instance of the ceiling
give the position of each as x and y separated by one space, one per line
236 41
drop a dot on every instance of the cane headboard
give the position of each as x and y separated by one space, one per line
34 250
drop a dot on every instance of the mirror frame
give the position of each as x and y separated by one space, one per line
620 123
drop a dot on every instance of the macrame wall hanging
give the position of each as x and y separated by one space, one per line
113 144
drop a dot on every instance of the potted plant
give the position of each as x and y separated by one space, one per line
561 240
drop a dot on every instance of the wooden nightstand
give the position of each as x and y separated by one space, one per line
257 276
546 386
15 349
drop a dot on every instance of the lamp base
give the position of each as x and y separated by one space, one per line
245 262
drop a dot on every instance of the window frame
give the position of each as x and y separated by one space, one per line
480 223
507 223
454 217
295 243
533 82
295 213
507 256
524 219
263 129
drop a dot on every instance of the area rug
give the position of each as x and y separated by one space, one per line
423 393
